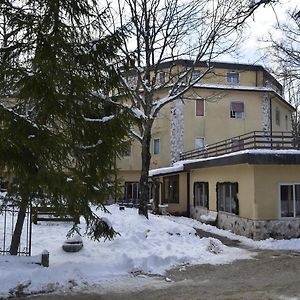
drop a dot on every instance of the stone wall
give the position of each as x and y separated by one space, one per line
177 129
266 113
257 230
203 215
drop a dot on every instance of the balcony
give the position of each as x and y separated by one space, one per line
275 140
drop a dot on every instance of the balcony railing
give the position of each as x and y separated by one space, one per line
254 140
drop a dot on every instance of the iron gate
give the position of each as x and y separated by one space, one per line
8 219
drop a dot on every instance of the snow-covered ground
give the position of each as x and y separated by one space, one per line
143 246
292 244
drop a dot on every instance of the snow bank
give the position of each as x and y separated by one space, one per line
147 246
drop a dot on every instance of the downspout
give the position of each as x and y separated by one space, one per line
256 79
271 123
188 196
115 181
271 117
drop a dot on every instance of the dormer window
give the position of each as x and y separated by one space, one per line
232 77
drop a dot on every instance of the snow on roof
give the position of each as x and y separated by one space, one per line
241 88
101 120
138 113
234 87
250 151
180 165
167 170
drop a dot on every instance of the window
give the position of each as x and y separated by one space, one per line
286 122
290 200
277 116
3 185
199 142
127 151
201 194
156 146
195 75
233 77
171 189
227 197
131 190
162 77
199 107
237 110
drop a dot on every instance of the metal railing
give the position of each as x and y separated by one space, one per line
254 140
8 219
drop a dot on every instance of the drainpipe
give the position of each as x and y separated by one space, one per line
256 79
271 122
188 194
271 116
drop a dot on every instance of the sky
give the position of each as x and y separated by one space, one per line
259 27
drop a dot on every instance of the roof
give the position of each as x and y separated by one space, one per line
221 65
244 88
253 157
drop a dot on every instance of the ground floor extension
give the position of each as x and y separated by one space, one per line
252 193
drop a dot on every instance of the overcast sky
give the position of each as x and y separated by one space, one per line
259 27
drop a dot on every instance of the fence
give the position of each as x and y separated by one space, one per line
253 140
8 219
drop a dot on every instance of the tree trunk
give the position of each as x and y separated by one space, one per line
15 241
156 186
144 185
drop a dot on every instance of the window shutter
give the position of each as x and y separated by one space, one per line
236 186
237 106
194 190
199 107
207 193
163 192
218 194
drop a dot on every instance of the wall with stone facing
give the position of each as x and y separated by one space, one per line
177 129
258 230
204 215
266 113
197 212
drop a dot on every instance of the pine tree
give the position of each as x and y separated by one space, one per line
60 130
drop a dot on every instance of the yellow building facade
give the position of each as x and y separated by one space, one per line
229 101
255 193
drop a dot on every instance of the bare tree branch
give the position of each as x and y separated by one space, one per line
155 33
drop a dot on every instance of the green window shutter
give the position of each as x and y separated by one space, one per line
207 191
217 192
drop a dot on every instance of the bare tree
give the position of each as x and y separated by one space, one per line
292 88
155 32
285 59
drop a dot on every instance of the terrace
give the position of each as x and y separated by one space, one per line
275 140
